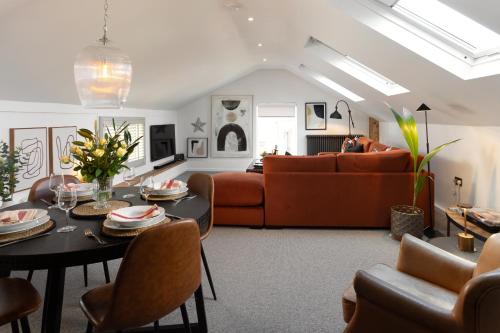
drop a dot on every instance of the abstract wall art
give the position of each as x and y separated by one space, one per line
197 147
33 145
60 141
232 126
315 116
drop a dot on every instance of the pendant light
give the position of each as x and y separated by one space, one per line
103 73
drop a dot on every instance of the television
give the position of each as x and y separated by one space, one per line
162 141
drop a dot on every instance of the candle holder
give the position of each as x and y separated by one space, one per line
465 240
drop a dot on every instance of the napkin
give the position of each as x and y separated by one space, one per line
148 214
16 216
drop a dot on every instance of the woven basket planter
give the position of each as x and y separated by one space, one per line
406 220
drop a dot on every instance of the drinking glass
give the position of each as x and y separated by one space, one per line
55 181
128 177
147 187
66 200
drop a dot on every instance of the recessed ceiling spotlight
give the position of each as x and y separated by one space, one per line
250 19
260 45
264 59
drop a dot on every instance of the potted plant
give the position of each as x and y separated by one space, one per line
9 166
404 218
99 159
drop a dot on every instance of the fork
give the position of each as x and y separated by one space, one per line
176 201
90 234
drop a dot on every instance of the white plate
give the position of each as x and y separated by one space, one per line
30 225
180 190
113 225
24 225
135 211
84 189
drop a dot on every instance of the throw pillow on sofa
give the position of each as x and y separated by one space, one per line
357 148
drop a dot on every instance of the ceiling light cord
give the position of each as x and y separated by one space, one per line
104 40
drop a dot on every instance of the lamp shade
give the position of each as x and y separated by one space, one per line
423 107
102 75
336 115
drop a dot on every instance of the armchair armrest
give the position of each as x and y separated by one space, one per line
427 262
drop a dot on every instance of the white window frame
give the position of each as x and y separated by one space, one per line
105 122
277 105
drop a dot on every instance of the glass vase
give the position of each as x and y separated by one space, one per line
103 191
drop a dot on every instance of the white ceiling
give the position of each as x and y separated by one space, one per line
182 49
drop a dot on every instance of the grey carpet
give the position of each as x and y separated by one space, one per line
288 280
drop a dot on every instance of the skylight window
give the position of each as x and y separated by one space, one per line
332 84
355 68
450 24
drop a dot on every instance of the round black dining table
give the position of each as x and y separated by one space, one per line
58 251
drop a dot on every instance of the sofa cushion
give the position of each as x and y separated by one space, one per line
387 161
323 163
238 189
247 216
377 146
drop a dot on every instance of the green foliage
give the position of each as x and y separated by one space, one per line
10 161
101 157
408 127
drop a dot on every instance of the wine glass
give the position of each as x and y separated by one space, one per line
128 177
66 200
147 187
55 181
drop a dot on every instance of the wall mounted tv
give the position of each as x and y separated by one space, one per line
162 141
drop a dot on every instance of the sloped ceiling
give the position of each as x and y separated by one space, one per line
183 48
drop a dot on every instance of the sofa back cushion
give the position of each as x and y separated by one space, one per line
323 163
387 161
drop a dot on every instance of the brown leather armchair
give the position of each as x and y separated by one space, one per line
430 291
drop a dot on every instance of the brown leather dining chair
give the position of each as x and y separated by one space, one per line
203 185
430 291
18 299
40 191
159 272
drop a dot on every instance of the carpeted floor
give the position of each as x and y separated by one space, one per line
288 280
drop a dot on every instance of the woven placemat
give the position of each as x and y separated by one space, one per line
166 197
88 210
125 232
4 238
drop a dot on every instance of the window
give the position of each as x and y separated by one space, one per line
136 129
276 127
355 68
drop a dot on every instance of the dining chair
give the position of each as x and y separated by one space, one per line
158 274
202 184
41 191
18 299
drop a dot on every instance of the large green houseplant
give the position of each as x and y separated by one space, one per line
10 161
404 218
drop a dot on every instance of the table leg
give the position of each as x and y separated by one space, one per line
53 303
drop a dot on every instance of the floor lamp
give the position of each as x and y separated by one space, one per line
424 108
336 114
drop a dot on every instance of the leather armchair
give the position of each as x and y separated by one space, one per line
430 291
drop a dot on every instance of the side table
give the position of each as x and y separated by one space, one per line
255 168
458 220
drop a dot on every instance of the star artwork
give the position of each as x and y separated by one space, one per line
198 125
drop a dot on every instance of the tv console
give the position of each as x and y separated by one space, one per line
161 166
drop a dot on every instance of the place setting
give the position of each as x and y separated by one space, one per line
169 190
24 224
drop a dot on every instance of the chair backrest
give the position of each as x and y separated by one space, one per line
203 184
489 259
159 272
40 189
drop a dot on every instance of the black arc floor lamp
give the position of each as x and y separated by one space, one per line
424 108
336 114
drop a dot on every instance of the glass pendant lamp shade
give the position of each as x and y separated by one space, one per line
102 75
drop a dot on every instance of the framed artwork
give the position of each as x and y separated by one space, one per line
197 147
315 116
33 145
232 126
60 141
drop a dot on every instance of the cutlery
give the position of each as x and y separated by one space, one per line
90 234
25 239
173 216
51 206
176 201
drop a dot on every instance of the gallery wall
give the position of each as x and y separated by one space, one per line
266 86
475 159
22 114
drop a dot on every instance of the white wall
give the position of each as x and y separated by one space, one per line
475 159
22 114
266 86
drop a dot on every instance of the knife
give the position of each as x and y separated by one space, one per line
25 239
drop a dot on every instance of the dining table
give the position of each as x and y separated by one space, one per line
57 251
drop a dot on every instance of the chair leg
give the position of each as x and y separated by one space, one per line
85 276
157 326
15 327
30 275
90 329
106 271
207 270
185 318
25 325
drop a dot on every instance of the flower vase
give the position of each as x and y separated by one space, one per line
103 191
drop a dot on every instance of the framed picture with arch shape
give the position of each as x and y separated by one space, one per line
60 141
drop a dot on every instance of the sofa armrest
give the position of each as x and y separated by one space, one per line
401 304
427 262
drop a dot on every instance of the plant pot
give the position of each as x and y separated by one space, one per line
406 220
103 191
